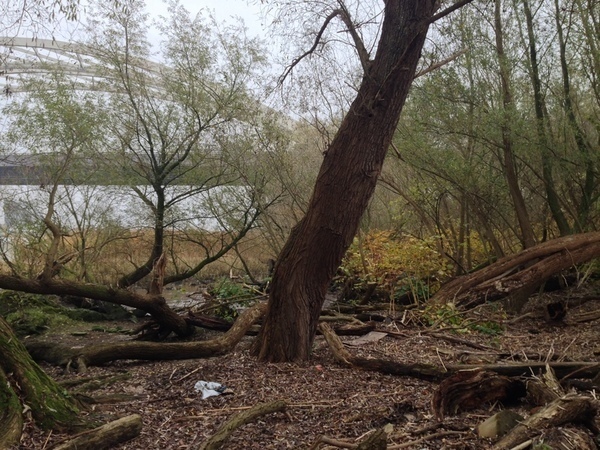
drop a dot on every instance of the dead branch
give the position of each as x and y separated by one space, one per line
106 436
310 51
158 275
421 371
149 351
441 63
567 409
216 441
526 269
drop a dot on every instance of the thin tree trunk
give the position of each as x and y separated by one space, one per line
551 196
344 186
583 146
510 171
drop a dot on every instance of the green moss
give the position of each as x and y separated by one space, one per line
50 404
33 314
11 420
29 321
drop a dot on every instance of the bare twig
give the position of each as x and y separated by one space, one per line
362 51
441 63
425 438
310 51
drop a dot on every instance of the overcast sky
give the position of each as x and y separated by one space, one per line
224 10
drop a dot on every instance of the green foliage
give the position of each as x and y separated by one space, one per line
447 316
229 297
397 265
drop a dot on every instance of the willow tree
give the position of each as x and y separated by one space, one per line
349 172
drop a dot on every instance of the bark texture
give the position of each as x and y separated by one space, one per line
106 436
344 185
527 269
21 378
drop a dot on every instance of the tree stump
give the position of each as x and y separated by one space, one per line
470 389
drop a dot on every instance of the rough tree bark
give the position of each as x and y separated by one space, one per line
525 270
23 382
345 182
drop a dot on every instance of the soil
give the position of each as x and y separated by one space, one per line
324 398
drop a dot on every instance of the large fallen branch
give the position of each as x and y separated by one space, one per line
155 305
94 355
431 372
218 439
106 436
526 269
422 371
567 409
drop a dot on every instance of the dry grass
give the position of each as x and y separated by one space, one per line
108 255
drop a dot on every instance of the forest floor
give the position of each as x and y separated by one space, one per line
324 398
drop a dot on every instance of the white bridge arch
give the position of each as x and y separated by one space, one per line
21 58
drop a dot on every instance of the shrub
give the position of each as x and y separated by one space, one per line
396 265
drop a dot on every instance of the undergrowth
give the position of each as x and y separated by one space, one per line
387 267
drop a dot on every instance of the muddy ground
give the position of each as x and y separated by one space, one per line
324 398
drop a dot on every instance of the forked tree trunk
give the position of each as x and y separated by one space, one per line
344 186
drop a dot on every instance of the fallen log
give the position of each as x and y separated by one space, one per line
522 271
106 436
94 355
155 305
432 372
422 371
216 441
567 409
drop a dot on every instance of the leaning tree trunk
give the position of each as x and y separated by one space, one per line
344 186
23 382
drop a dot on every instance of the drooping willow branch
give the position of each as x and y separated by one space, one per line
363 54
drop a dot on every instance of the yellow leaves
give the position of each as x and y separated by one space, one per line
398 264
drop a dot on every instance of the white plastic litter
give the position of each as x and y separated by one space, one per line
209 388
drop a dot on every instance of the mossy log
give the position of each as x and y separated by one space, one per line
11 420
155 305
106 436
216 441
21 378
